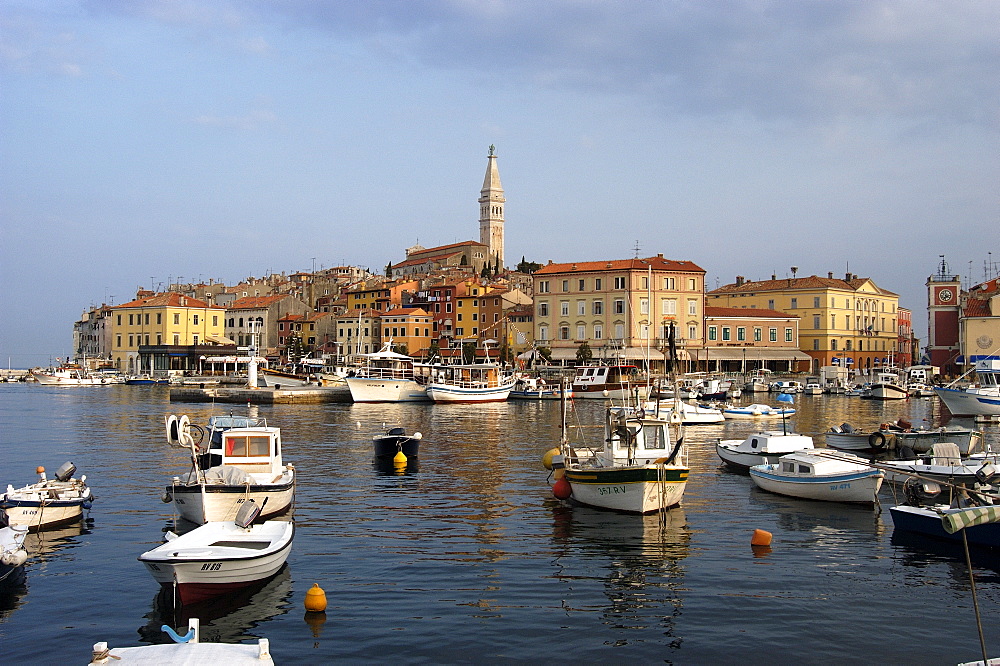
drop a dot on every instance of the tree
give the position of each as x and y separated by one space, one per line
388 269
583 353
528 267
545 353
469 352
434 351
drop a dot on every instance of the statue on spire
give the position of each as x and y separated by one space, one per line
492 148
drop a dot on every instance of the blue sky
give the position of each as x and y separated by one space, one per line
149 140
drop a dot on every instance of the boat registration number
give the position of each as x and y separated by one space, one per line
842 486
611 490
211 566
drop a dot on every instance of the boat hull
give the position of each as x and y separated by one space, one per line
43 515
364 389
632 489
449 393
969 403
926 521
614 391
860 487
202 571
539 394
389 445
889 392
220 502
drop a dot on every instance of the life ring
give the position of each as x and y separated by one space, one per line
173 435
184 431
877 440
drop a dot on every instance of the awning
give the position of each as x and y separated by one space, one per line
755 354
629 354
219 340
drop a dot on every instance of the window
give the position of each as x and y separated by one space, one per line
598 307
565 285
770 304
644 306
119 343
692 332
741 333
833 345
159 318
543 309
583 285
773 334
668 283
713 333
581 332
177 338
788 335
598 332
564 308
564 332
795 303
581 307
619 283
669 306
215 320
816 344
757 334
543 332
619 306
692 306
598 284
692 284
194 340
815 301
130 322
645 282
131 341
248 445
146 319
816 321
159 339
447 308
119 320
195 320
644 331
177 319
726 337
620 331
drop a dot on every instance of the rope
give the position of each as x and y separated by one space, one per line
101 656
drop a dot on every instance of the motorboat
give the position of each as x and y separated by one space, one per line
641 467
472 382
12 552
981 524
536 388
919 390
186 649
614 382
221 556
888 386
73 374
233 459
760 448
785 386
386 376
394 441
756 411
896 436
980 398
820 475
49 502
146 380
812 388
691 412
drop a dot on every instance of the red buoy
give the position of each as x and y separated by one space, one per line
561 489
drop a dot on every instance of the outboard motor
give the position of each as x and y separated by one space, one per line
920 493
65 471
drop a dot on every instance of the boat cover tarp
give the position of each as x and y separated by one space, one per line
954 521
224 474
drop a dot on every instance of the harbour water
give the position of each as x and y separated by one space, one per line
466 557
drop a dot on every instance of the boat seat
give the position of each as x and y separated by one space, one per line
945 453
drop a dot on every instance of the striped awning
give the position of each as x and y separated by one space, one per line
954 521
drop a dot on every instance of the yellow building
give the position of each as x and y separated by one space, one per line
162 320
852 320
408 328
621 309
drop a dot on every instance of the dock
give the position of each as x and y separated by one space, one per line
260 396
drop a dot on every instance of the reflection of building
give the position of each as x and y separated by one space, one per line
852 319
943 296
744 339
621 309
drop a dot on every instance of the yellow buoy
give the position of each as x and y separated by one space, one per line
315 601
547 458
399 458
760 538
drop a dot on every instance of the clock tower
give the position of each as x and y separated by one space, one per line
943 310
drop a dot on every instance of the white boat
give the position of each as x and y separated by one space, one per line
49 502
691 412
944 463
474 382
12 552
640 467
234 459
981 398
536 388
785 387
888 386
614 382
755 411
72 374
895 436
220 556
186 649
819 475
760 448
386 376
812 389
919 390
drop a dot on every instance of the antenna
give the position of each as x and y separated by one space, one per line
637 249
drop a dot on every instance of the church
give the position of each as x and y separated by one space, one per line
488 252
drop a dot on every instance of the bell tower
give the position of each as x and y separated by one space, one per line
491 203
944 291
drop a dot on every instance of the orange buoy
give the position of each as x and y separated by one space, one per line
315 601
39 470
561 489
760 538
558 473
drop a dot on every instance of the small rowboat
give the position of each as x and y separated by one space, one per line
50 502
819 475
219 557
395 440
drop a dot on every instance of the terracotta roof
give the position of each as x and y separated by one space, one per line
758 313
806 283
169 299
423 260
254 302
403 312
976 307
443 248
657 263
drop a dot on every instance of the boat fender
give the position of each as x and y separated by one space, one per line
173 437
14 558
166 498
562 489
877 440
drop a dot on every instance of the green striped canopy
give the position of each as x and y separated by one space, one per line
954 521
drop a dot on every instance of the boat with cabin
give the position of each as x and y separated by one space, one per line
387 376
888 386
820 475
233 459
760 448
612 381
472 382
981 397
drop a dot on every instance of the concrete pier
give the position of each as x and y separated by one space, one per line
260 396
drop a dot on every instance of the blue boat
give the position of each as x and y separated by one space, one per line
941 522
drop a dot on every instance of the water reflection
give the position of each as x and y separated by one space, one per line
230 618
43 546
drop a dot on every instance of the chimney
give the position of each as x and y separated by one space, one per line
740 280
830 275
773 276
847 278
659 255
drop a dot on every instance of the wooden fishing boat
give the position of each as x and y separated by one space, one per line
50 502
819 475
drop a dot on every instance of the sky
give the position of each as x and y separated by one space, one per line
151 141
